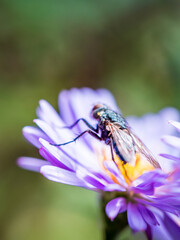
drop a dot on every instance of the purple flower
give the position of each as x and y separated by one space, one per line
150 196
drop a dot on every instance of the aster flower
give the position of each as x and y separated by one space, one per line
149 196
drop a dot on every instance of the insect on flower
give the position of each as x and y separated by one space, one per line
121 172
115 131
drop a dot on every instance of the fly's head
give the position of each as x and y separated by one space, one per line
98 110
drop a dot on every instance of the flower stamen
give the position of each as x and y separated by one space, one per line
129 172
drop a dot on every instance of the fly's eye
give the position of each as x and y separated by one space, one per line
97 110
95 113
97 106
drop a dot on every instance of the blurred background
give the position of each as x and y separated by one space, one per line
130 47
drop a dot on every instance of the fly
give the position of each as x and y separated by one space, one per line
113 129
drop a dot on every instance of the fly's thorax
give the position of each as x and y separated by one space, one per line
103 127
115 118
107 126
105 135
102 123
102 113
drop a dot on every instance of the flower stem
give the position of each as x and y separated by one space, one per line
111 229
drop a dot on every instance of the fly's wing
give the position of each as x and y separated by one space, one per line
141 148
128 144
124 143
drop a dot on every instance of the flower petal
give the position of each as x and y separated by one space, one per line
175 124
78 107
74 104
33 164
61 175
32 134
135 219
115 206
64 108
107 98
148 232
168 229
114 187
48 114
93 178
168 156
47 129
148 215
54 161
112 168
160 204
172 227
171 140
75 155
148 181
56 155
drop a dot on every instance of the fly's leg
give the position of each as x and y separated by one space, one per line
95 135
87 124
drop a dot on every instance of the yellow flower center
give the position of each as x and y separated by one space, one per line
129 172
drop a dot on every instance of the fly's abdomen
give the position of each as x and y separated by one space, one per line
117 152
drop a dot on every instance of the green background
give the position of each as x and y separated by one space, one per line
130 47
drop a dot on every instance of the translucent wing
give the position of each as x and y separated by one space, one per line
128 144
141 148
123 143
